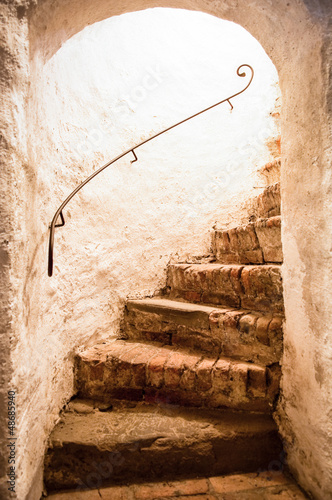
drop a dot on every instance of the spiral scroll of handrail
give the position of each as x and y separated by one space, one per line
240 72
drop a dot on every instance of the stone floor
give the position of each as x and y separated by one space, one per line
263 486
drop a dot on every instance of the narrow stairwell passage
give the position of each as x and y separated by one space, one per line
189 388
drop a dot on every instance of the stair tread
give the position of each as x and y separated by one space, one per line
154 373
237 333
254 286
275 219
257 242
120 348
84 424
135 442
166 304
261 484
217 265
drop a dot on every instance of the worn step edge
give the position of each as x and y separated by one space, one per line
257 242
241 334
252 287
141 443
159 374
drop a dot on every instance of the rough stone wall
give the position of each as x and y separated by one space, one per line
295 35
14 71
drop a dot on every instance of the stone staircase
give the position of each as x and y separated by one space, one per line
189 388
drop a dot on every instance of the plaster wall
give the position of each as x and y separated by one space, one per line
14 71
296 35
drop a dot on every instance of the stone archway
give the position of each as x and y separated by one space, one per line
295 36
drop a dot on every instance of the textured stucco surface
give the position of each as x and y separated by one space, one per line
13 201
295 34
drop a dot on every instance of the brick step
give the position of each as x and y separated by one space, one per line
256 288
138 442
252 485
155 373
268 203
255 243
218 331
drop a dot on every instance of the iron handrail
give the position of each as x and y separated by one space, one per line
59 212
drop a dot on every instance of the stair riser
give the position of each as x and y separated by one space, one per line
144 373
257 288
256 243
268 203
83 467
237 334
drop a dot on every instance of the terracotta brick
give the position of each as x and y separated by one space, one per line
235 277
257 381
283 493
220 375
189 373
195 341
243 495
237 245
116 493
228 484
230 320
268 478
124 372
197 497
117 348
204 375
238 376
247 323
262 328
171 489
146 354
139 363
275 328
262 288
155 370
232 239
128 355
173 370
245 278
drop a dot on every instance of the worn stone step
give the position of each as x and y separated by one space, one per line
255 243
134 443
164 374
240 334
252 287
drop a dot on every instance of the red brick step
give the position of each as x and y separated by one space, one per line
162 374
257 288
255 243
239 334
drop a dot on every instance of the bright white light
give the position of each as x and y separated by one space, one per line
126 78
